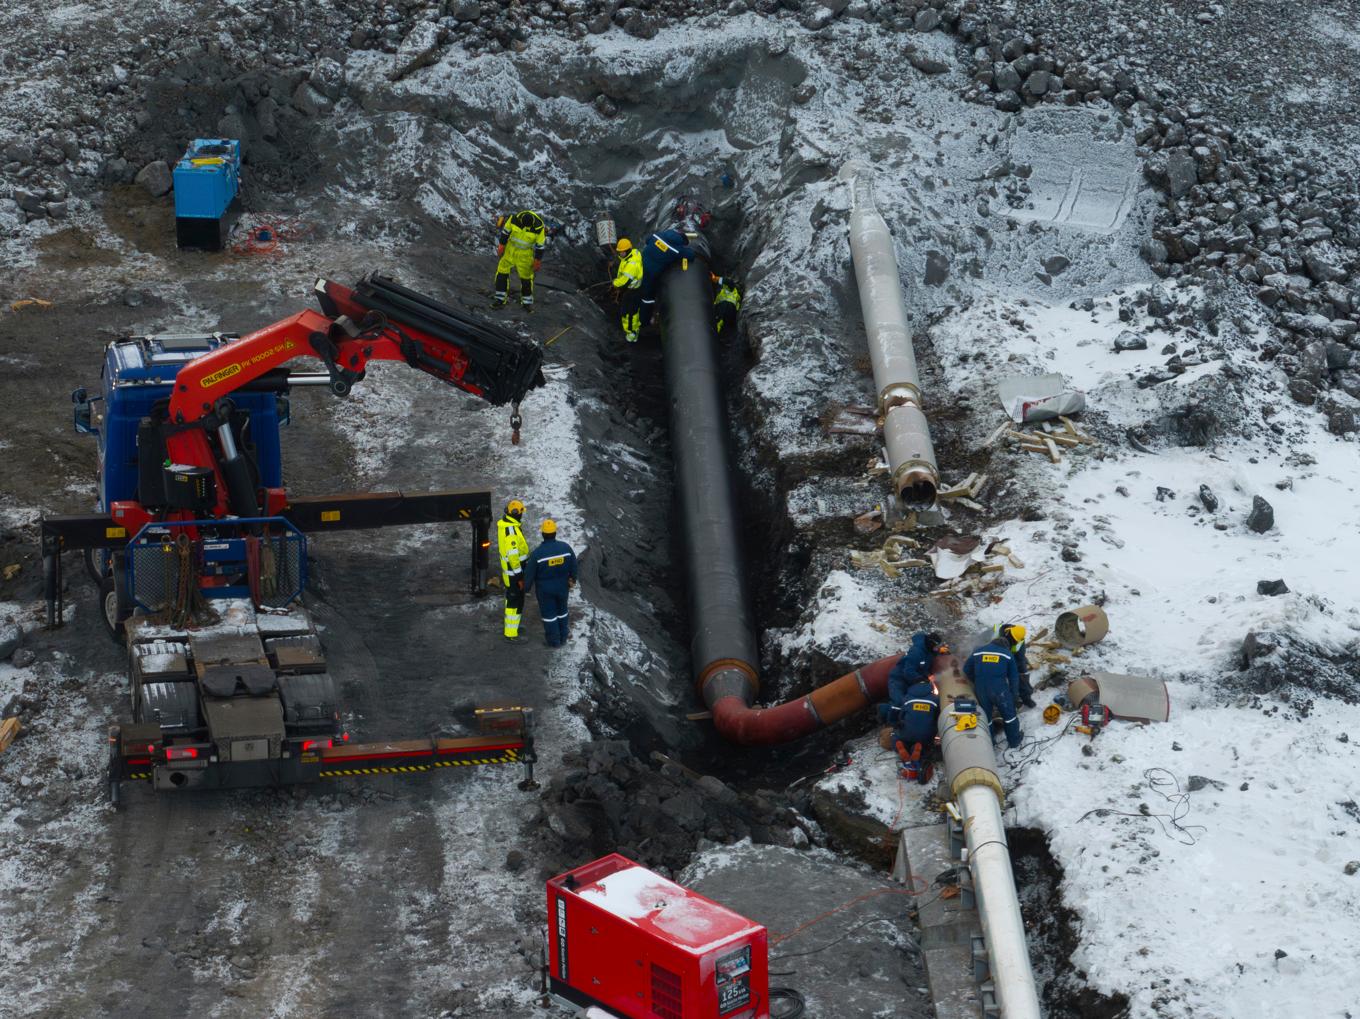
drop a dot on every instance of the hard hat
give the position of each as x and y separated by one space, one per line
549 527
514 508
624 245
1052 713
1017 633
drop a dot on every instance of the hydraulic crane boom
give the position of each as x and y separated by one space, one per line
378 320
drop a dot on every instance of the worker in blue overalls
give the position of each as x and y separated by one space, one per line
1015 634
996 681
659 251
552 567
913 707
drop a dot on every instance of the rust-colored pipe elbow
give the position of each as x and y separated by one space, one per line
728 694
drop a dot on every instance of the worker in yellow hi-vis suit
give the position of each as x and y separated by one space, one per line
520 247
514 550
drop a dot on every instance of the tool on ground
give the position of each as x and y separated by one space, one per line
1094 717
201 556
624 939
558 336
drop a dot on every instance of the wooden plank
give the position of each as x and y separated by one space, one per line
1053 453
1063 440
9 729
999 431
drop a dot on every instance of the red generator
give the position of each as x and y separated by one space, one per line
627 940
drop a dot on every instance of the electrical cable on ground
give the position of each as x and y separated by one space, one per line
1023 756
1170 823
845 934
798 1007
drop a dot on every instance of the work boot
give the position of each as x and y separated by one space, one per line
1028 702
631 337
926 774
528 307
498 301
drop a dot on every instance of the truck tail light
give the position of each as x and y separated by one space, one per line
181 753
317 744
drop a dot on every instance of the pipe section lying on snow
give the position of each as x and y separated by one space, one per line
906 433
970 772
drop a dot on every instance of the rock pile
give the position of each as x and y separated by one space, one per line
607 800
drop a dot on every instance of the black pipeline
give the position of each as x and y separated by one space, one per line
726 664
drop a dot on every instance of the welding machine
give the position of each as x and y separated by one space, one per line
627 940
207 181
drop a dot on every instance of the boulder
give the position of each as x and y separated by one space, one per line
1262 515
419 49
156 178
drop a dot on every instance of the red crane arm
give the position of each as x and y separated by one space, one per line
383 322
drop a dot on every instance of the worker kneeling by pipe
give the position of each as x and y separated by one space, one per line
913 707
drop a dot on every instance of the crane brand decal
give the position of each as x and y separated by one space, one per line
226 372
221 375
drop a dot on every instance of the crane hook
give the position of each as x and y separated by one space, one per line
516 422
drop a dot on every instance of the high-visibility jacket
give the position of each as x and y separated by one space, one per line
524 236
727 294
514 550
630 271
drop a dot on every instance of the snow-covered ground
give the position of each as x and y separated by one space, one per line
1206 858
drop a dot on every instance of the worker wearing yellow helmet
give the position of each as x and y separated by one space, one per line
552 567
1015 636
628 282
514 550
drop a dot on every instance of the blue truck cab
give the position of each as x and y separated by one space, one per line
137 378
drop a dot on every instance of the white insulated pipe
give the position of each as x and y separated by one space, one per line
906 433
970 771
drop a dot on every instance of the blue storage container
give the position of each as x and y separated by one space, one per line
207 180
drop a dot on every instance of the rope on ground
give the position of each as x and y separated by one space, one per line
263 238
841 908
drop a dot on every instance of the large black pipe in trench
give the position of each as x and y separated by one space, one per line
726 664
723 644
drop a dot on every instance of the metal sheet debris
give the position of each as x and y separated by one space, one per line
1129 698
1082 627
1029 398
